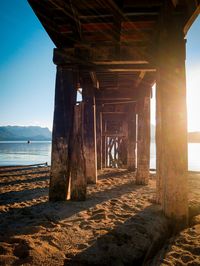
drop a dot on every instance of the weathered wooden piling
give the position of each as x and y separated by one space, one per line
143 141
131 146
90 149
78 161
65 99
171 97
99 138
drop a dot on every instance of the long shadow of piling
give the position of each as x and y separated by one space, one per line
133 242
47 212
128 244
61 210
27 180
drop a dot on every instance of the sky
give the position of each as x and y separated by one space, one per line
27 73
192 78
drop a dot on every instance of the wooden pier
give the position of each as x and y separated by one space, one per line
115 50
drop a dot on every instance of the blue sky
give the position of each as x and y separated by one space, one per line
27 73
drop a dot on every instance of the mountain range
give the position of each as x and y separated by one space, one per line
9 133
193 137
17 133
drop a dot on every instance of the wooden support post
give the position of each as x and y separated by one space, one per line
171 98
102 142
143 141
122 152
131 160
90 149
78 173
159 160
99 140
65 99
104 154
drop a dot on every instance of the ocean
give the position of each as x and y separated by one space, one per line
22 153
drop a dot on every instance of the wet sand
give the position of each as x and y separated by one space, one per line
117 225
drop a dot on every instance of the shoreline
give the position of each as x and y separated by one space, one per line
23 167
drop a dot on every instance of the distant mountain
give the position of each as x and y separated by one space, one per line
194 137
24 133
40 133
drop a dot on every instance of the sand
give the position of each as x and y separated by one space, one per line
117 225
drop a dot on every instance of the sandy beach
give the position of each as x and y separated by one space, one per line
117 225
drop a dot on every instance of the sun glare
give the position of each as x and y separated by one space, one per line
193 98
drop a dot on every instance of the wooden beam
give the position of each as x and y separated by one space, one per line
113 134
71 13
47 22
102 55
94 79
144 3
108 18
121 62
175 2
140 78
122 95
113 113
122 68
193 12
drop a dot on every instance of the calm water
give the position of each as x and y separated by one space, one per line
193 156
21 153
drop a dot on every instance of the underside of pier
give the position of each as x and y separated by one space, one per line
113 51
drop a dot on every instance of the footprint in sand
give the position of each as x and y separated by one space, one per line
126 207
98 216
86 226
82 246
98 210
114 202
21 248
112 216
